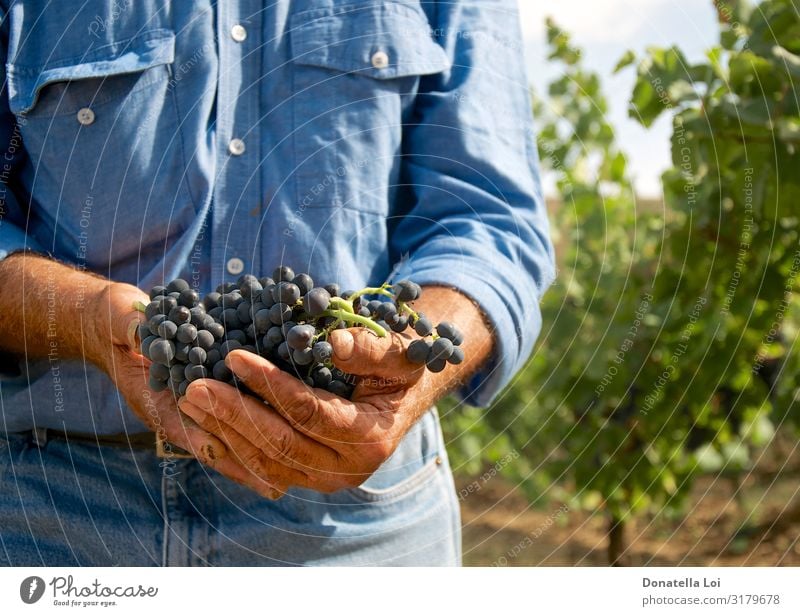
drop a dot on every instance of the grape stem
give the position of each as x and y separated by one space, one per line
342 304
408 310
352 319
139 306
382 290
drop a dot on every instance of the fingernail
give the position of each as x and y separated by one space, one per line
133 336
201 396
343 344
239 366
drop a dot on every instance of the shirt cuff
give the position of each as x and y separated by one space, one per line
13 239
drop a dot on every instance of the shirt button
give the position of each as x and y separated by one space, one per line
380 59
238 33
86 116
235 266
236 147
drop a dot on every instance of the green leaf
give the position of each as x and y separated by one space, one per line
626 60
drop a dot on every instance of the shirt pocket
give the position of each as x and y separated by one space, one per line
106 164
356 69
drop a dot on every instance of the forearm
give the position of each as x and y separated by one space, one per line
45 304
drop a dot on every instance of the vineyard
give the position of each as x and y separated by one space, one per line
661 397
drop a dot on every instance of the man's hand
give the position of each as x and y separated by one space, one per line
298 436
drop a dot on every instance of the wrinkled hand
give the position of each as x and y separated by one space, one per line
116 350
310 437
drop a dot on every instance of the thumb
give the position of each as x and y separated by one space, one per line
124 318
359 351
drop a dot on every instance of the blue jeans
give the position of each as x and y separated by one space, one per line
66 504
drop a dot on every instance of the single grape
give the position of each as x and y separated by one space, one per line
238 335
303 357
144 331
304 282
216 313
183 387
262 321
323 351
182 352
221 372
152 309
280 313
406 291
436 365
316 301
180 315
457 356
198 316
167 304
249 286
339 388
450 332
217 330
211 300
243 313
162 351
176 372
364 311
441 348
307 380
275 335
266 281
197 355
230 319
300 336
250 332
158 290
167 329
283 274
374 305
186 333
333 289
194 372
400 324
159 372
385 309
286 292
174 295
188 298
286 327
228 346
284 352
423 326
213 356
205 339
177 285
322 377
418 351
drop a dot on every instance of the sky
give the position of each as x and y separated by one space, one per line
605 29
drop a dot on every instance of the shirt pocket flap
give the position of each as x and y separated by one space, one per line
380 40
149 49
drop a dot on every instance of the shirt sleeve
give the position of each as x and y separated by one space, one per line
13 216
473 215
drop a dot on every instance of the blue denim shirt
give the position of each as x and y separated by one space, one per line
357 140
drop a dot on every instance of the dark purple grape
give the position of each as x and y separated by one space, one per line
316 301
450 332
423 326
244 314
213 356
418 351
177 285
333 289
186 333
322 377
457 356
266 281
143 331
205 339
304 282
250 332
158 290
441 348
284 352
167 330
188 298
406 291
303 357
436 365
286 293
374 305
230 319
183 387
216 313
217 330
262 321
323 351
339 388
228 346
275 335
300 336
198 316
283 274
400 324
162 351
157 386
159 372
238 335
385 310
152 309
180 315
221 372
280 313
211 300
167 304
195 372
182 352
176 372
197 355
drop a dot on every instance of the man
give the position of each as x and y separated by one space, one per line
359 141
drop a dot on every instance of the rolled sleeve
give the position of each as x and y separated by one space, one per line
475 217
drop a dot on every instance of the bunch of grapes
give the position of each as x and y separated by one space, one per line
285 319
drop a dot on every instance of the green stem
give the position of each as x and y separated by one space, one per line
352 319
342 304
382 290
139 306
408 310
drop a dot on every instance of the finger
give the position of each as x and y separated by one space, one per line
185 433
259 470
359 351
260 425
316 412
